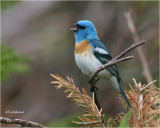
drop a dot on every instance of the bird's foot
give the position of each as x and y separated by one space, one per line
93 82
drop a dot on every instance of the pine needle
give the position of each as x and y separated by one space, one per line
144 101
92 116
144 110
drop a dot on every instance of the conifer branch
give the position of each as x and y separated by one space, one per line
93 117
140 51
145 106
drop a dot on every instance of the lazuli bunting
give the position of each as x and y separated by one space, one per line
90 54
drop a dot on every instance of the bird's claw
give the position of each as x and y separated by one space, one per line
93 82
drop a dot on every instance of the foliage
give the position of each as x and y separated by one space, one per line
64 122
125 121
67 121
7 4
92 117
145 104
11 62
144 100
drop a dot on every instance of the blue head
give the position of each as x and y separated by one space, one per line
84 30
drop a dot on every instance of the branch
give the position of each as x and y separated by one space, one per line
23 123
93 116
129 49
144 105
143 59
116 60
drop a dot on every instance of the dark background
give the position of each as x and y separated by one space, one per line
40 32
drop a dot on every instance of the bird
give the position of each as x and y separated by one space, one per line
90 54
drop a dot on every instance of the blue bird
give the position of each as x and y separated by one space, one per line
90 54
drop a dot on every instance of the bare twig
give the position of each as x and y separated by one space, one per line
139 98
86 123
24 123
116 60
132 28
149 84
129 49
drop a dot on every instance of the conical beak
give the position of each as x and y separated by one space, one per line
74 27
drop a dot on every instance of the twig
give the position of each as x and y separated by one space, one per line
96 101
139 94
149 84
88 123
116 59
132 28
129 49
24 123
139 98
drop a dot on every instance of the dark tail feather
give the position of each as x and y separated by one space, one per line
124 95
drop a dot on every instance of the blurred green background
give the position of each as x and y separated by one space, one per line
36 41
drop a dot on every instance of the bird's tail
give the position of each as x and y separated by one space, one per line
123 93
118 85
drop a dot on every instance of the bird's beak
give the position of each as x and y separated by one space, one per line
74 27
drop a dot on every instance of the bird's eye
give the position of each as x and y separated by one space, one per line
81 27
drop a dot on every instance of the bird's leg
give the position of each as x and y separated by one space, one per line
92 83
96 80
94 90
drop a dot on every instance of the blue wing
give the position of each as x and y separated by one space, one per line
103 56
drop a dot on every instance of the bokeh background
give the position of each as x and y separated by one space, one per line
36 41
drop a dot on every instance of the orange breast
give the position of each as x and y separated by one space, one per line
82 47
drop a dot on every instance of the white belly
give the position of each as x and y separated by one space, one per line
88 64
